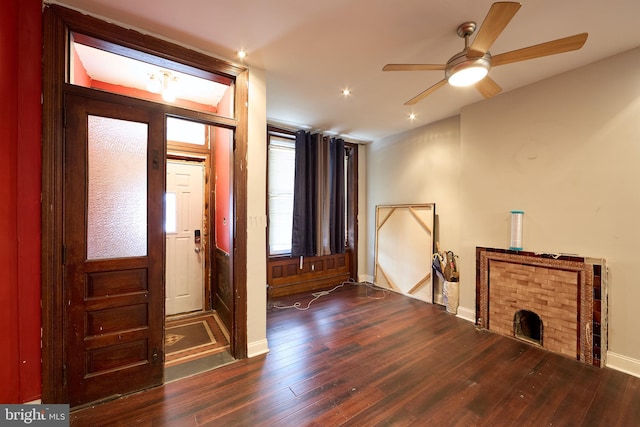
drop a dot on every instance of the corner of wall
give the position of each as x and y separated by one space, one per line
365 278
467 314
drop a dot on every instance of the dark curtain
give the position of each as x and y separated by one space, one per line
336 196
303 236
318 196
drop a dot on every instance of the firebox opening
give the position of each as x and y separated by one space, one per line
527 326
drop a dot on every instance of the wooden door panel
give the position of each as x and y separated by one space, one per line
223 290
100 284
115 305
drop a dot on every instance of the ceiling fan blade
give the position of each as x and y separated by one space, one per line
488 87
553 47
413 67
494 23
426 93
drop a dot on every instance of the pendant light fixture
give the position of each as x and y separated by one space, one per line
164 83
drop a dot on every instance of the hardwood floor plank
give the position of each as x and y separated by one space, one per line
630 406
522 395
555 392
607 399
357 361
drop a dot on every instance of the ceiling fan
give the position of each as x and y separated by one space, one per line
471 65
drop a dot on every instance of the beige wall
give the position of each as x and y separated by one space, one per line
420 166
565 150
256 216
362 213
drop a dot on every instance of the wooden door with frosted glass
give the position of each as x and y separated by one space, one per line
114 174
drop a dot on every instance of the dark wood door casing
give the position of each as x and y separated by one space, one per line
57 24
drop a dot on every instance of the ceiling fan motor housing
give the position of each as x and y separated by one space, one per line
465 64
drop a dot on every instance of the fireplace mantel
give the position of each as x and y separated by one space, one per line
567 292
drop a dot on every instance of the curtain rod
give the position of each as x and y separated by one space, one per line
279 127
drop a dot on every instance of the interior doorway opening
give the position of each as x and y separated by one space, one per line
197 207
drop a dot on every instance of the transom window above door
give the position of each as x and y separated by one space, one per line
102 65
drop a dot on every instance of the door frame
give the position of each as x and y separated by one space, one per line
58 22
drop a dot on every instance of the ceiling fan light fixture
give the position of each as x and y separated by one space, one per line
464 71
467 76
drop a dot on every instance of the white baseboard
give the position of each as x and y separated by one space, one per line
467 314
624 364
257 348
365 278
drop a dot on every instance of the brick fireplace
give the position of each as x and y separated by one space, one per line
556 302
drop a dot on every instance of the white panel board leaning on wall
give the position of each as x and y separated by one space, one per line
404 249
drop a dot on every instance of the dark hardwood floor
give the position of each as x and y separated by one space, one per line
355 360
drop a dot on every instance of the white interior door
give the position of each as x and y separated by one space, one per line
184 220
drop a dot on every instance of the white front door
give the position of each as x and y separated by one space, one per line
184 219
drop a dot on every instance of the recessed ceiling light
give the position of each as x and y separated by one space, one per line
346 92
242 54
412 116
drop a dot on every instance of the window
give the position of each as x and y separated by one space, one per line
186 131
280 189
281 173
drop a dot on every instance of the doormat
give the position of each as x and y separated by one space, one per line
191 335
193 338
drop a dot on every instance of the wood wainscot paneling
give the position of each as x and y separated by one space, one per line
223 296
292 275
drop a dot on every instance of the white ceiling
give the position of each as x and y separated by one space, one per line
311 50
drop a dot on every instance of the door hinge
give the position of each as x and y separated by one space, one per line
156 159
64 374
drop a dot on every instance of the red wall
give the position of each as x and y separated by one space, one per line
20 176
223 168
